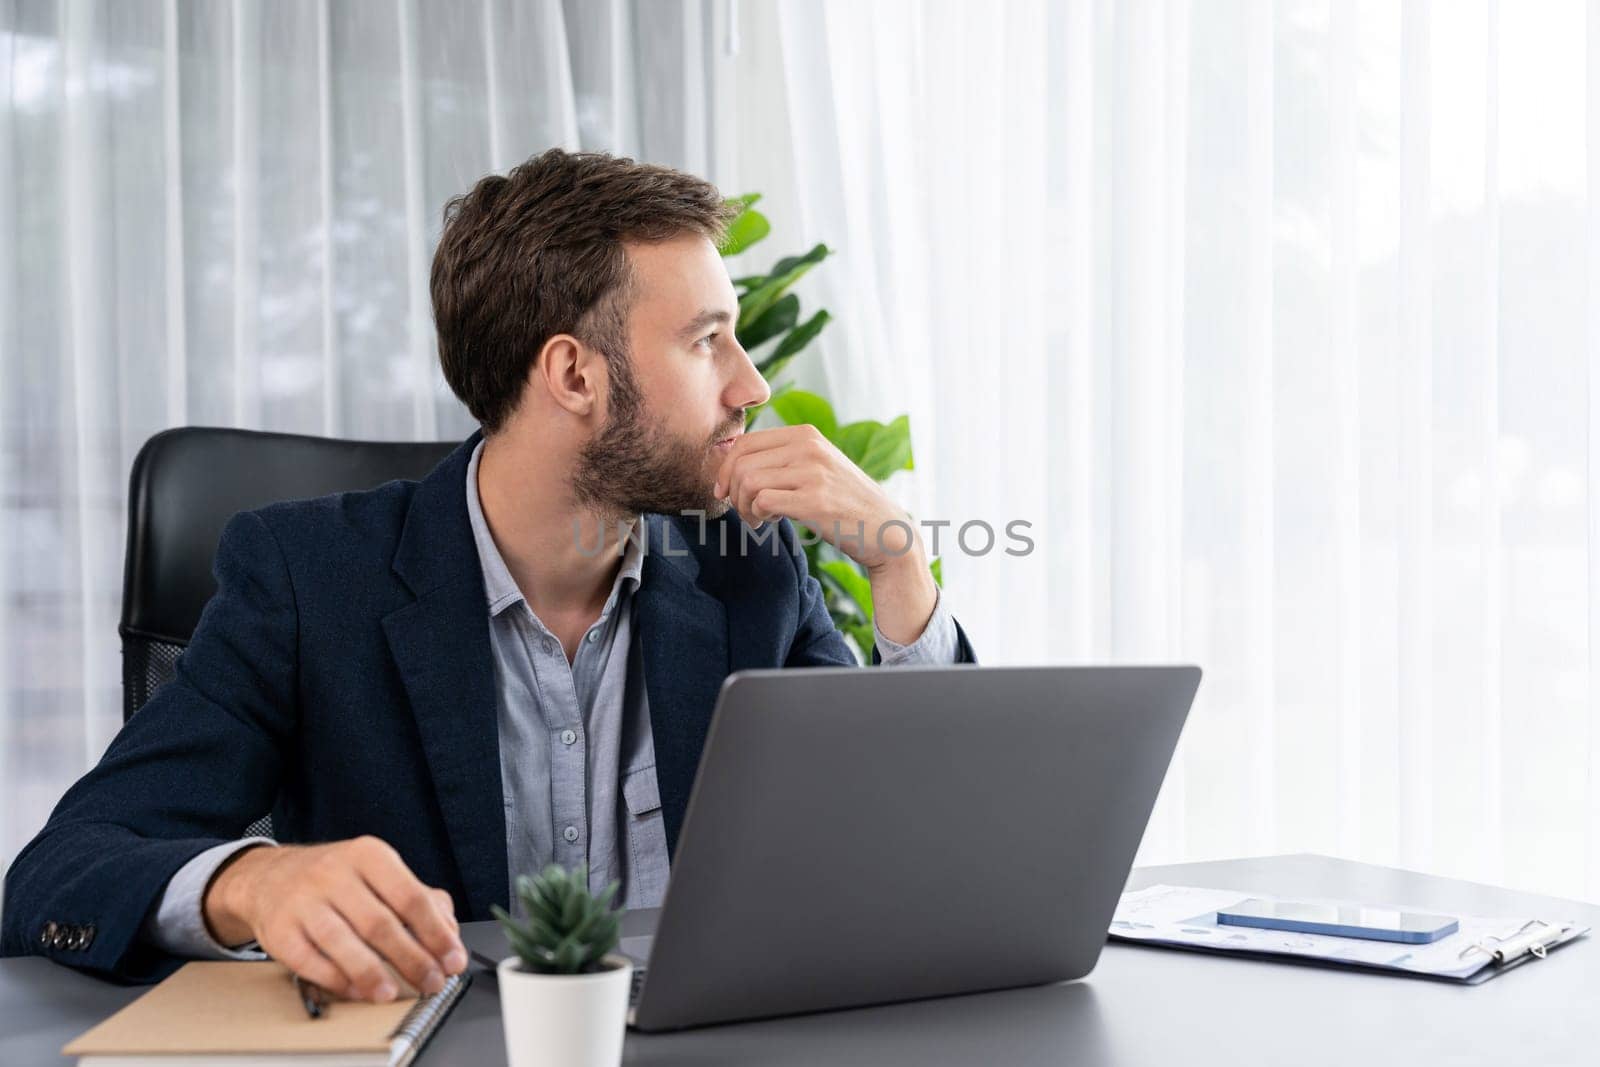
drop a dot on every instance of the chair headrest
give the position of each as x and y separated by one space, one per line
188 482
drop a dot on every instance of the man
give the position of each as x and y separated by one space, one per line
510 663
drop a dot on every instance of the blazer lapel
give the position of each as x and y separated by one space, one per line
684 630
440 644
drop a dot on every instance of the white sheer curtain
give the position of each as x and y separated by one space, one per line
222 213
1281 323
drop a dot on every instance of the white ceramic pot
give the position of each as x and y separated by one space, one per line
574 1020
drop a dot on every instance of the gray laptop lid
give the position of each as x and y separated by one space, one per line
859 836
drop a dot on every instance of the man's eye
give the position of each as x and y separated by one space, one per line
707 339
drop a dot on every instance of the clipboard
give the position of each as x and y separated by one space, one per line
1533 942
1184 917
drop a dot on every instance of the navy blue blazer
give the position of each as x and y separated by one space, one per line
342 677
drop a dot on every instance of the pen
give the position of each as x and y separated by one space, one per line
311 997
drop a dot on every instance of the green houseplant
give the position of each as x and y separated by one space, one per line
564 992
773 331
567 930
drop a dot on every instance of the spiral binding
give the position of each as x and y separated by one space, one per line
424 1017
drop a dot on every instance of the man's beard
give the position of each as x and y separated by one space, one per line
635 464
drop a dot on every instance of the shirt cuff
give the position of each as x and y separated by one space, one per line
936 646
178 926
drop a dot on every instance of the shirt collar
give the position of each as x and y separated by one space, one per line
501 589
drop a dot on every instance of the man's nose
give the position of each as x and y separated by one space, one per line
749 389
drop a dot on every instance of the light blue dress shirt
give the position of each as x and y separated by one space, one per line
577 758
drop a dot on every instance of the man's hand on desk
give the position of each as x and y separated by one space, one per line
335 913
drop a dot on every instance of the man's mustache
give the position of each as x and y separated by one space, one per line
729 430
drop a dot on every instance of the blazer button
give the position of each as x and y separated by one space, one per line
47 935
59 938
75 939
86 936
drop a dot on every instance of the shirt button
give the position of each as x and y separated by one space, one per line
570 833
568 736
550 645
594 635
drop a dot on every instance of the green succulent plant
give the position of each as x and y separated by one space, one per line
568 929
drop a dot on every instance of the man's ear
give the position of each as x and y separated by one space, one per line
571 373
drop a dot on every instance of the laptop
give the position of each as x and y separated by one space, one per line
861 837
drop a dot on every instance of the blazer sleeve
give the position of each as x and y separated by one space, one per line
191 769
817 641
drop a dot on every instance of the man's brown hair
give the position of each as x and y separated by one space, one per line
539 251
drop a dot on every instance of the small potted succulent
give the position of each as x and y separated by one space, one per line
564 995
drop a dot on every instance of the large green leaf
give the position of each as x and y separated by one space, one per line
888 451
798 407
788 262
755 303
847 575
791 345
853 438
779 318
748 227
878 449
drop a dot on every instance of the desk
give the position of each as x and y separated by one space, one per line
1140 1005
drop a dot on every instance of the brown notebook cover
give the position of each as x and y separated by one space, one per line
228 1007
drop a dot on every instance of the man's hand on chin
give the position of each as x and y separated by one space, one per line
795 472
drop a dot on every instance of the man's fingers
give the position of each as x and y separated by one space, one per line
757 441
352 917
447 907
743 493
380 928
775 437
739 465
296 952
770 503
416 905
328 931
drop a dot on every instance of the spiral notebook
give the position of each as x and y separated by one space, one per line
245 1014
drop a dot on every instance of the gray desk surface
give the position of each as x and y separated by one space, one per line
1139 1006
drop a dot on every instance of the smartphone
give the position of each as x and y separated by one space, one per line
1340 920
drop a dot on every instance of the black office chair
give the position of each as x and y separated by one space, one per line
185 486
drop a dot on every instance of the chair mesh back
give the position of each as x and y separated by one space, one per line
147 665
